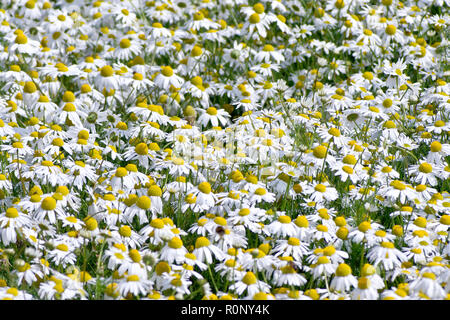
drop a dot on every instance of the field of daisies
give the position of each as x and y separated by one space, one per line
224 149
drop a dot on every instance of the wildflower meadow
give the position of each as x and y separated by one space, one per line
224 149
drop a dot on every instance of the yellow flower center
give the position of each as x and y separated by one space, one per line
135 255
72 219
167 71
367 32
196 51
368 75
48 204
425 168
154 191
220 221
439 123
141 149
364 226
198 16
21 39
91 223
204 187
347 169
349 159
334 132
143 202
254 18
320 188
323 260
125 231
138 76
125 43
421 222
320 152
388 245
429 275
175 243
12 213
106 71
445 219
390 29
436 146
301 222
293 241
343 270
284 219
201 242
260 191
363 283
62 247
249 278
397 184
211 111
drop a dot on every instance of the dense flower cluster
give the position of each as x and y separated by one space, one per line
279 149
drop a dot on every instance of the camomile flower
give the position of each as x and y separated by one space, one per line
127 49
323 268
199 21
17 149
438 126
62 254
292 247
214 117
47 172
178 283
157 31
236 55
398 190
29 273
426 173
427 284
205 251
139 82
167 78
141 152
438 150
49 210
267 54
266 69
386 172
23 45
321 192
5 183
174 251
256 25
282 227
246 218
343 279
365 290
249 283
364 232
70 112
288 275
386 254
133 284
205 198
44 108
346 171
261 194
138 206
55 70
11 221
106 79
